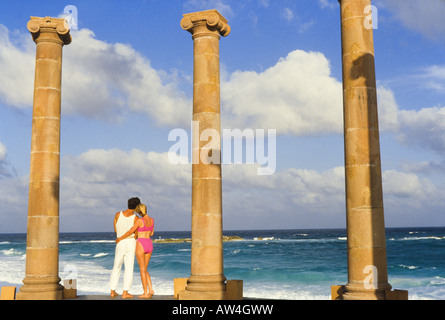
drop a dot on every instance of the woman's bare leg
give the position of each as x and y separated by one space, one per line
149 283
140 256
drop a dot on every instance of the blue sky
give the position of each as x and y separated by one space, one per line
127 82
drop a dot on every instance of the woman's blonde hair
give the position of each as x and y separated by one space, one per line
142 209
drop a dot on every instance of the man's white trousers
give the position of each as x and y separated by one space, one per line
124 254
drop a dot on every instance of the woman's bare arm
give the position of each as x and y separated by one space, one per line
129 232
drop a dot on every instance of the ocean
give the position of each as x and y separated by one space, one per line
273 264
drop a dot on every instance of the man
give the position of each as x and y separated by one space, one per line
125 249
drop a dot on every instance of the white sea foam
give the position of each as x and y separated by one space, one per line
11 252
93 272
283 292
263 238
102 254
274 239
421 238
102 241
424 288
93 278
408 267
12 269
438 281
87 241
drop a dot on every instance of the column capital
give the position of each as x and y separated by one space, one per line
55 29
202 23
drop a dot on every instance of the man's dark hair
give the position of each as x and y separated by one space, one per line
133 203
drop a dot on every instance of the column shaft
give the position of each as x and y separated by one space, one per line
364 198
42 252
207 280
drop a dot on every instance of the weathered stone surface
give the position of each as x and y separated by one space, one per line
181 240
42 252
364 196
207 280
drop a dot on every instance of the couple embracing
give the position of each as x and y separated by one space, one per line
133 238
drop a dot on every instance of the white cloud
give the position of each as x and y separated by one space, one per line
109 80
425 17
105 179
3 170
304 26
200 5
407 185
421 127
117 166
411 199
297 96
7 170
309 198
328 4
388 110
97 183
428 77
432 168
2 152
17 63
292 198
290 17
100 80
288 14
14 202
425 128
264 3
434 78
436 71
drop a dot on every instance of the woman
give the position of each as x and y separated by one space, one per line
144 247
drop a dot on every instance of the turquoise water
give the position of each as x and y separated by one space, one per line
279 264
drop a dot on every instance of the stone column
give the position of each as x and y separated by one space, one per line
367 267
42 252
207 280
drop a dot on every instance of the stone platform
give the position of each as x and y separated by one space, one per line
108 297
